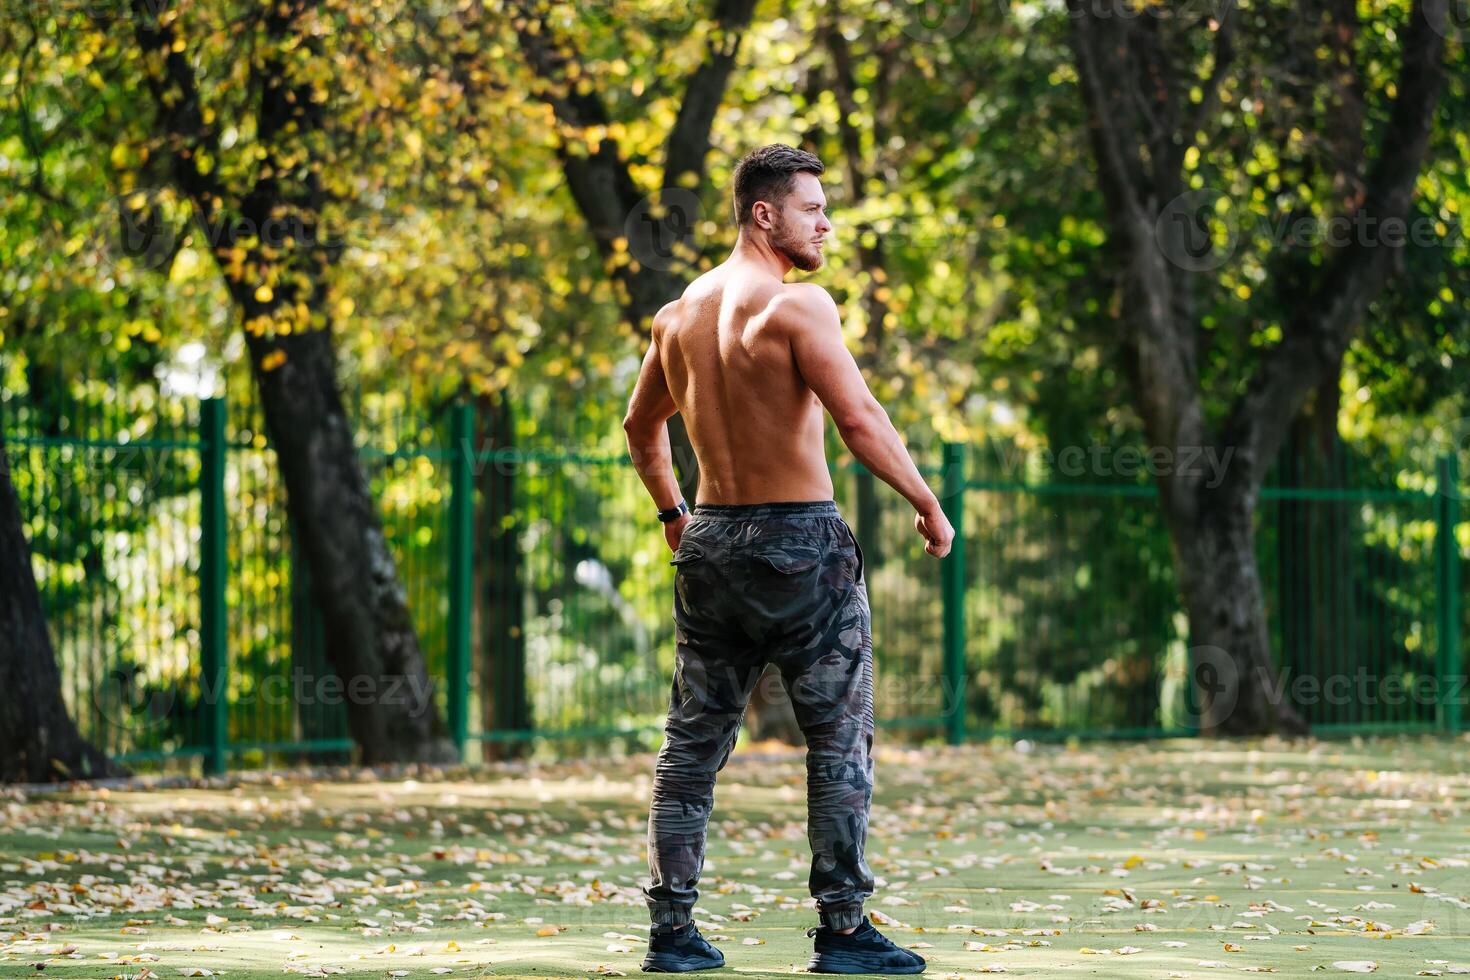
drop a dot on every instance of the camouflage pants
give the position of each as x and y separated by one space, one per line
779 582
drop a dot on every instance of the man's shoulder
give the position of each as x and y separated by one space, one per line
806 293
666 316
799 302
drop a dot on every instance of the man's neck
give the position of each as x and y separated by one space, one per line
758 252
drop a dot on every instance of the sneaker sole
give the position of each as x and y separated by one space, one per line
674 963
845 963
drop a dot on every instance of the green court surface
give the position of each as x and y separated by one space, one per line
1176 858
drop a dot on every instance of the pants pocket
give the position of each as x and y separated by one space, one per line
858 548
688 552
791 560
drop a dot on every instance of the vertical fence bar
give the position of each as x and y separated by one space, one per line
461 577
1447 582
213 562
952 588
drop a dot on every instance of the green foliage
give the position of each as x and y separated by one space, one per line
969 261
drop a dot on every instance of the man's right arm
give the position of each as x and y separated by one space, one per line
814 328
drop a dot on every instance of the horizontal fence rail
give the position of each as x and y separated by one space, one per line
182 613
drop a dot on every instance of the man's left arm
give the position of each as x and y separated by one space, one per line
649 409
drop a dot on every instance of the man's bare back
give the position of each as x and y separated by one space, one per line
750 362
756 426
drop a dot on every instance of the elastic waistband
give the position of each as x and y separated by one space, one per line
775 508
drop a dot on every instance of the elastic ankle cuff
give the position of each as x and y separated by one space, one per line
846 917
668 917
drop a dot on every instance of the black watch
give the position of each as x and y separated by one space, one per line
672 514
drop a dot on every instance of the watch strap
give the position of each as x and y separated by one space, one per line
673 512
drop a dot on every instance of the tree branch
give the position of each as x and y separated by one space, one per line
600 182
688 142
34 145
872 258
176 98
1111 132
1158 335
1357 272
1224 57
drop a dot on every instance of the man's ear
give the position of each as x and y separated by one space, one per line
758 210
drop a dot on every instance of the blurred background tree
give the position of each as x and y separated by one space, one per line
351 217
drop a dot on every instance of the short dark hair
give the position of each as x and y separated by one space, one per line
767 175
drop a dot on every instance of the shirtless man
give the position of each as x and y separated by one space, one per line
766 569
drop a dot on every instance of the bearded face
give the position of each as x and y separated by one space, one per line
796 241
800 223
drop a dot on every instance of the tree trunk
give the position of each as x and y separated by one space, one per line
504 699
39 742
1144 119
1234 683
370 639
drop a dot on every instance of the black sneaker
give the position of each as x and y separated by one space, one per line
679 951
864 950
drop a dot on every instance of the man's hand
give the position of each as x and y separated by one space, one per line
936 529
674 531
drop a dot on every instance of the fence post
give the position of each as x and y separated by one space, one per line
213 565
952 587
461 569
1447 585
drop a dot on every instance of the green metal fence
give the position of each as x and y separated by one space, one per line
541 591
